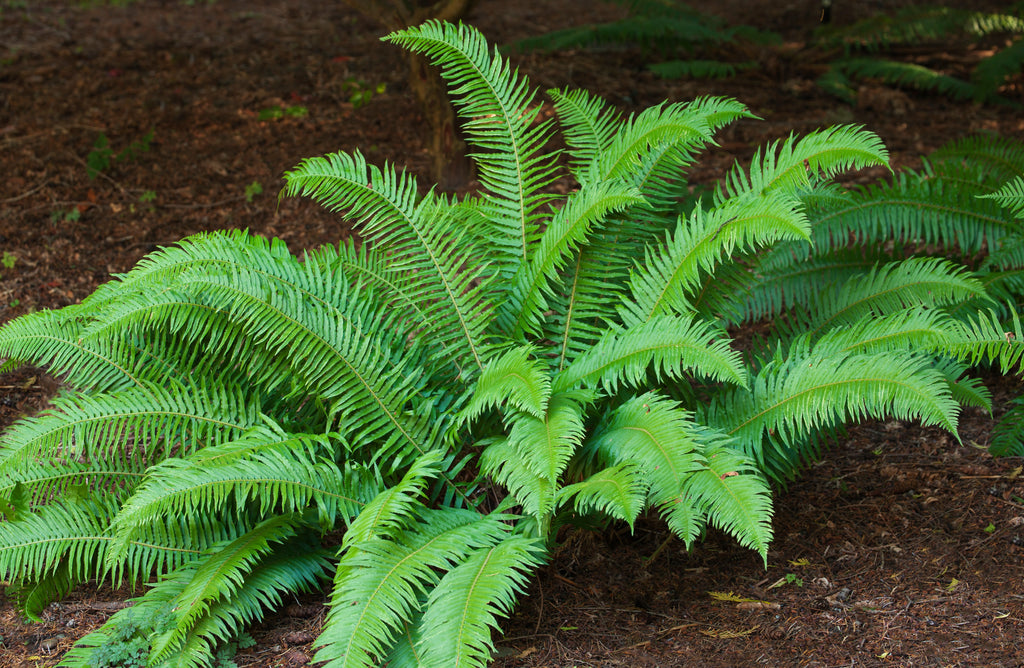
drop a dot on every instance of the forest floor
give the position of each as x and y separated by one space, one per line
903 547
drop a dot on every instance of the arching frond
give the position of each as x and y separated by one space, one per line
463 608
892 288
512 379
588 124
144 424
672 270
684 127
295 566
594 282
617 491
668 345
218 576
984 338
53 339
49 551
424 238
567 230
792 164
499 106
782 280
655 434
270 471
1011 195
914 209
384 580
813 391
530 462
734 496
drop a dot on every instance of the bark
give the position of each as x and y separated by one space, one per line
450 165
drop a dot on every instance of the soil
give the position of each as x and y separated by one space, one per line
903 547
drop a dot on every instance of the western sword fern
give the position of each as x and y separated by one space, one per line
448 396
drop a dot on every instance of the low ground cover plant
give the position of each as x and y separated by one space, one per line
412 422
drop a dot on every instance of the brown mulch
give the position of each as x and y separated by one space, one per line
902 548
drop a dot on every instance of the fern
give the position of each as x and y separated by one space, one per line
476 375
914 25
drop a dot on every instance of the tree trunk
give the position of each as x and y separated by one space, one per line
450 166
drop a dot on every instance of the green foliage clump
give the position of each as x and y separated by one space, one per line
411 422
102 156
673 29
916 25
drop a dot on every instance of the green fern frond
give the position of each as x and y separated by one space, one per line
505 464
296 566
791 165
989 160
392 508
666 344
734 496
892 288
270 471
512 378
916 210
426 234
385 578
918 77
43 481
923 329
591 287
617 491
810 392
655 434
53 339
699 244
567 230
47 551
685 127
984 338
530 461
699 69
588 123
1011 196
142 424
500 110
218 576
463 608
781 280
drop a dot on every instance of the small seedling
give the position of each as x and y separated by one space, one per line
253 189
68 216
275 113
989 529
101 157
148 197
9 260
359 92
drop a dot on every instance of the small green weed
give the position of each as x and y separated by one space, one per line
65 216
102 156
275 113
8 260
253 189
360 93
